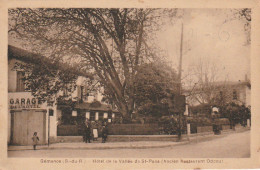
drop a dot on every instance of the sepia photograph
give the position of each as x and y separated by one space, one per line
129 85
129 79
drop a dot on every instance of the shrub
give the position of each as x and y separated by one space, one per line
168 125
200 121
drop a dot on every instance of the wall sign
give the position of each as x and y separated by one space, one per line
23 103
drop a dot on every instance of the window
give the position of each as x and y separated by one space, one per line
80 93
92 116
20 82
85 93
109 115
101 116
234 94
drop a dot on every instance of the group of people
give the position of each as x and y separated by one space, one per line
87 136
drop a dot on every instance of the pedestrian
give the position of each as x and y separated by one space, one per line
104 133
84 129
87 131
35 139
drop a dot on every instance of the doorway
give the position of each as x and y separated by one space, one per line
24 123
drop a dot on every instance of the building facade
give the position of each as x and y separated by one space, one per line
220 93
27 114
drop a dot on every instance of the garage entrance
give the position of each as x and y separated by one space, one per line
24 123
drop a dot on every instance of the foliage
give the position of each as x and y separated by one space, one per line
111 43
168 125
200 121
45 79
151 85
236 113
202 109
245 14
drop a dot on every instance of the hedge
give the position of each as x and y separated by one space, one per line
133 129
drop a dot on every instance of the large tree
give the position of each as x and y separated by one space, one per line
110 43
153 83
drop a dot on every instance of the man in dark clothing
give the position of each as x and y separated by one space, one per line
104 133
87 132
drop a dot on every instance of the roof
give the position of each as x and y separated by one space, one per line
221 84
95 106
33 58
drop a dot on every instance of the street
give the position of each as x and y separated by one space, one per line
235 145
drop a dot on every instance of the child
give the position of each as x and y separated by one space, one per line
35 139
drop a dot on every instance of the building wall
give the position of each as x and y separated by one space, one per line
242 90
13 94
11 76
53 122
9 127
93 96
18 96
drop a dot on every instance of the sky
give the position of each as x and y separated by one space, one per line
211 35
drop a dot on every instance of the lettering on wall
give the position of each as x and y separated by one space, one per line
23 103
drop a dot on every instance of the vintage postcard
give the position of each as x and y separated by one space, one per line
129 84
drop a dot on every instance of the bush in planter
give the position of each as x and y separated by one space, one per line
200 121
168 125
236 113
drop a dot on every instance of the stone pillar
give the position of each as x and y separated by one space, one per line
188 128
248 122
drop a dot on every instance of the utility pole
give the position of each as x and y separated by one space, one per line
180 61
179 83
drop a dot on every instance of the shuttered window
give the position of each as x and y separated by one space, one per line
20 82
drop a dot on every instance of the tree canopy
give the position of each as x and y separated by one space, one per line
152 84
110 43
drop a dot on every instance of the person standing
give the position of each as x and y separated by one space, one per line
87 131
104 133
35 139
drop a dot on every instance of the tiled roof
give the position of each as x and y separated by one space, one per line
221 84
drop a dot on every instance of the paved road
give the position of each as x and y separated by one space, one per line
235 145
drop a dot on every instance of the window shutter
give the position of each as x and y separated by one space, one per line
20 83
78 92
